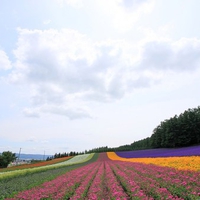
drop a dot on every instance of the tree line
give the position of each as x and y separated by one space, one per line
178 131
99 150
61 155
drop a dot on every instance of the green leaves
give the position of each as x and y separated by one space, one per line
5 158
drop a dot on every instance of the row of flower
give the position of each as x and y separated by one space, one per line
20 172
118 180
76 159
181 163
170 152
142 180
38 164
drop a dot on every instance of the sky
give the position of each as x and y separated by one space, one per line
81 74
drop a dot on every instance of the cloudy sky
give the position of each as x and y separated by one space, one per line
79 74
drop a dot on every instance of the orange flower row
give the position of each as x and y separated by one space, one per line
38 164
181 163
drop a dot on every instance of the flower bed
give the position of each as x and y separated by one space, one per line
155 182
108 180
182 163
76 159
154 153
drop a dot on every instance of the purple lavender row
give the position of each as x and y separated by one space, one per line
184 151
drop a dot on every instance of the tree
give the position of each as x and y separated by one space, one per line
5 158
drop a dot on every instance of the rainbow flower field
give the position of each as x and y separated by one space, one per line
108 176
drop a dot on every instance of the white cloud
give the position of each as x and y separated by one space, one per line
70 112
162 33
5 63
66 71
181 55
116 12
30 113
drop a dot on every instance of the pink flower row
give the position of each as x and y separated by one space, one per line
157 182
105 185
82 190
95 191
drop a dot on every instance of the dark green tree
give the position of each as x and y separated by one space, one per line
5 158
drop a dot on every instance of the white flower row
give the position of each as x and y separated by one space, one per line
75 160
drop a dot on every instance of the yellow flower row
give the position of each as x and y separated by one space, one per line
181 163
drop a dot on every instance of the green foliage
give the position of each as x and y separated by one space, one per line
99 150
5 158
61 155
178 131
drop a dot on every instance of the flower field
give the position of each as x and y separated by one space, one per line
181 163
109 179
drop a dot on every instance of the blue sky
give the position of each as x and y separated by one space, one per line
76 74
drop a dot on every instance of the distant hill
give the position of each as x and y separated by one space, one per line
33 156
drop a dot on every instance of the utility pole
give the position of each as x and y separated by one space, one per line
44 155
19 155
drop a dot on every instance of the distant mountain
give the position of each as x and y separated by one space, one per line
32 156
